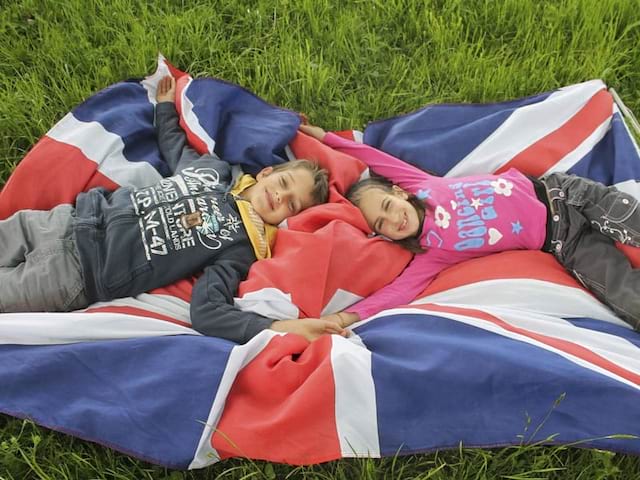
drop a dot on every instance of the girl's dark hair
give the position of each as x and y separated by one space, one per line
354 195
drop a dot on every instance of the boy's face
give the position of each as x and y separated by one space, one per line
280 194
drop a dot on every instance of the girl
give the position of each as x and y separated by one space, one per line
449 220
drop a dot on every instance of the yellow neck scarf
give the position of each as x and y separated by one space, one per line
262 235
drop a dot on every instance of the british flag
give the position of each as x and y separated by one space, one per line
501 350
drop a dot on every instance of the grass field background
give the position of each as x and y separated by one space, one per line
343 63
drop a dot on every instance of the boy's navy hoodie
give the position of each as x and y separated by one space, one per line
133 240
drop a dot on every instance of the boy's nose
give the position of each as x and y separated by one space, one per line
285 195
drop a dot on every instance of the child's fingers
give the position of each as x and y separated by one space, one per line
331 327
162 86
166 84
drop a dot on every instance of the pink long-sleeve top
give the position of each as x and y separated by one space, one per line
465 217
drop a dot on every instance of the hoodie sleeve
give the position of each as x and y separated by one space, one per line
173 145
212 302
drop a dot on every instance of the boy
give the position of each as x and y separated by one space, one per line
126 242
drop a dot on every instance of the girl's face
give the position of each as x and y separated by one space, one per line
389 213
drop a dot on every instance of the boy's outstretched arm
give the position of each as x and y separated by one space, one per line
172 141
166 90
214 314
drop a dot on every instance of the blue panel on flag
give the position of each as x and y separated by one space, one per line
148 397
613 159
124 109
437 137
606 327
439 382
247 130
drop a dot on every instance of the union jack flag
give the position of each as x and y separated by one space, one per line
500 350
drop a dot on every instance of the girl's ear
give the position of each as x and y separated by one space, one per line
399 192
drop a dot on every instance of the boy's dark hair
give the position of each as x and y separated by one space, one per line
320 192
354 195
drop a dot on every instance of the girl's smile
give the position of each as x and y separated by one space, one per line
389 213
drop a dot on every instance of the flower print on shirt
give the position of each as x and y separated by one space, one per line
502 187
442 217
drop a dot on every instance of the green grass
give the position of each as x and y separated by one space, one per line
343 63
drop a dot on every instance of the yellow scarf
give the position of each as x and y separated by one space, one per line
262 235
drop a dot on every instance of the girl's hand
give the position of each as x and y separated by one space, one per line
313 131
347 318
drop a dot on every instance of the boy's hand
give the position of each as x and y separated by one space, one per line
166 91
313 131
309 328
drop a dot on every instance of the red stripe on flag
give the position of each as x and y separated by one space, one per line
342 258
632 253
526 264
181 289
281 406
175 72
566 346
139 312
546 152
348 134
52 173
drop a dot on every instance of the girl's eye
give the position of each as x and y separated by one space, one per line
283 182
292 207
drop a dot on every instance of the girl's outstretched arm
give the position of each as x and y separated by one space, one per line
399 172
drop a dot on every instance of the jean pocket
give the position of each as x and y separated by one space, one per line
622 208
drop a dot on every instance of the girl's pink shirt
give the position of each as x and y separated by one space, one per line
465 218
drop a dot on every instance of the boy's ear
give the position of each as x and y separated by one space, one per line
264 172
399 192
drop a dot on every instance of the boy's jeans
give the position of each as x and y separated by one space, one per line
586 219
39 265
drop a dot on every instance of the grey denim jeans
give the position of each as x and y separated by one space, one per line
39 264
586 219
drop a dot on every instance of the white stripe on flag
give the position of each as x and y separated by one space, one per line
356 412
524 127
150 83
616 349
190 118
167 305
527 295
630 186
48 328
106 150
239 357
358 136
269 302
339 301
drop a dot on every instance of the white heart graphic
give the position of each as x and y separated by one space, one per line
494 236
454 204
